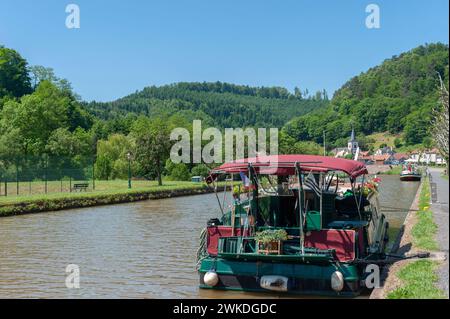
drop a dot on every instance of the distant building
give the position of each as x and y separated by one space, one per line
384 150
339 151
196 179
382 159
428 157
365 157
352 145
400 157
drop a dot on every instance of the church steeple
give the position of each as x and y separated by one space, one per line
352 136
352 143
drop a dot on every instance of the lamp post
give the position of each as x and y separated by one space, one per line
129 169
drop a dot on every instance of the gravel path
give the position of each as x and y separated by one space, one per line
439 206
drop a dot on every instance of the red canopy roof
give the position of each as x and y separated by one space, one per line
285 165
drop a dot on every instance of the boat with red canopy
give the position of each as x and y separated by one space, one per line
292 223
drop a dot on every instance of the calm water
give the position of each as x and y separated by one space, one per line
138 250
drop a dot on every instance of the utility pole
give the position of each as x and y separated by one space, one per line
324 148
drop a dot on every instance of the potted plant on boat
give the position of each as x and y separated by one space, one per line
270 242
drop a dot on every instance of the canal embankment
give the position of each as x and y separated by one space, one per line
413 278
61 201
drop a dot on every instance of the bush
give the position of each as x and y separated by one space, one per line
200 170
177 172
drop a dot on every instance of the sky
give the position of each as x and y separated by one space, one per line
124 46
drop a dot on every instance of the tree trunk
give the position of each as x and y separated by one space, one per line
158 172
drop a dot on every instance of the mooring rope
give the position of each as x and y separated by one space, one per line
201 251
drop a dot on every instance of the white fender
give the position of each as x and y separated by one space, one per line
337 281
211 278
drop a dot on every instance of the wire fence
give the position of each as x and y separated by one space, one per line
45 174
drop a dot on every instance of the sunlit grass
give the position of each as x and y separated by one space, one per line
101 188
425 229
419 280
395 170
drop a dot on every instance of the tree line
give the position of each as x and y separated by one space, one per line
40 114
397 96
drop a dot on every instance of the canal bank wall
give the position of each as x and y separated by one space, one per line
406 245
402 244
89 200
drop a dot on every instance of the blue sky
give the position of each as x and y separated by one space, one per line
123 46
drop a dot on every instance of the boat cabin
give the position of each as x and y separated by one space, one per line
295 209
333 215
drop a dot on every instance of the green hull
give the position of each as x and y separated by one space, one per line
303 278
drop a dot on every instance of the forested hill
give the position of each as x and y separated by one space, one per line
221 104
396 96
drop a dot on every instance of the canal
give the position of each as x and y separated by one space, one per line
138 250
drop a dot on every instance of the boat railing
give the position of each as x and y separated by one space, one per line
238 247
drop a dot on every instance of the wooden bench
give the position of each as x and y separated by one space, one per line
80 186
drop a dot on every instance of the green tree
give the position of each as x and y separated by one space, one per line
103 167
14 78
177 172
35 117
200 170
112 156
396 96
152 145
417 126
40 73
62 142
398 142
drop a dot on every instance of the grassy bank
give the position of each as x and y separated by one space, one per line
395 170
109 193
419 278
425 229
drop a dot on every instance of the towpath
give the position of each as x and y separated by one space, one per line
439 206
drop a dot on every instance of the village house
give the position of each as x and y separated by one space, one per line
382 159
365 157
428 157
400 157
384 150
339 151
352 147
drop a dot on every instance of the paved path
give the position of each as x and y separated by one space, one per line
439 199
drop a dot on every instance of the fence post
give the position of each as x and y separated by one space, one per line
45 172
70 184
17 178
93 175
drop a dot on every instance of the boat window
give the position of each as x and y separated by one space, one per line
272 185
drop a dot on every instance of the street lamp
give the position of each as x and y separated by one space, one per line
129 169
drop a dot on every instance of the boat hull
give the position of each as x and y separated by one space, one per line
305 279
410 177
